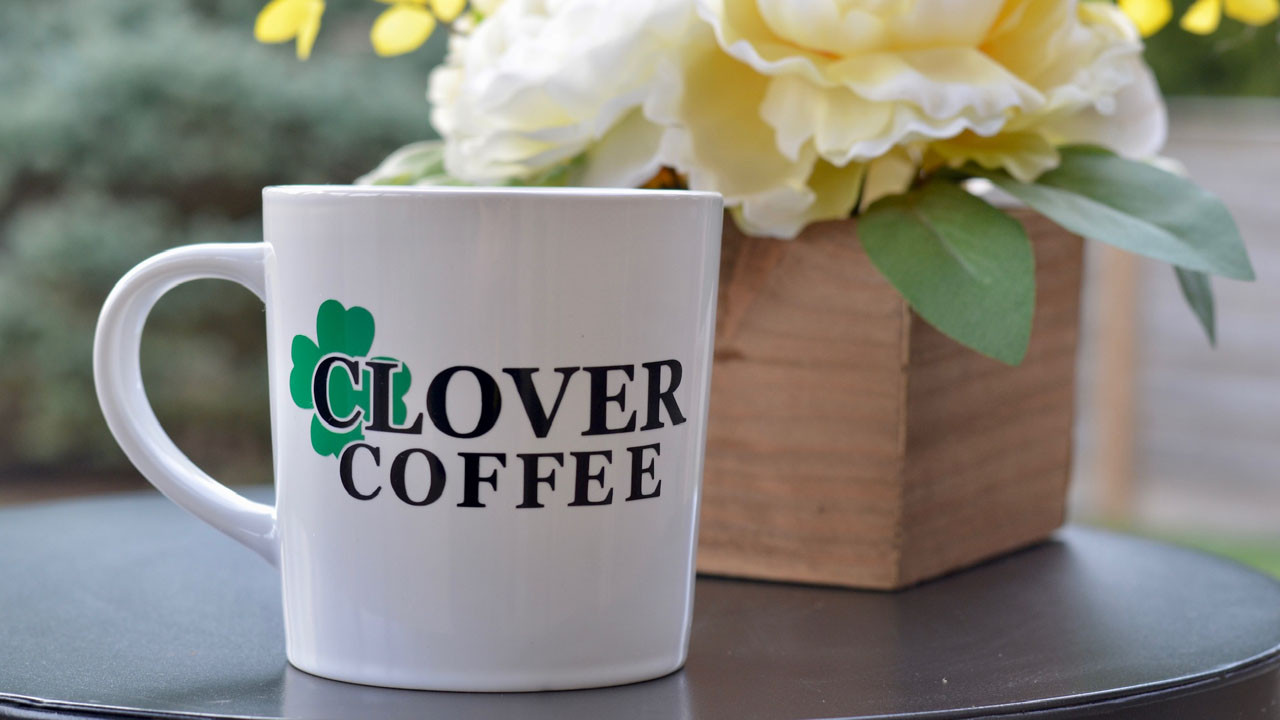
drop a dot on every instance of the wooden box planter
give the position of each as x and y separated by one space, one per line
852 444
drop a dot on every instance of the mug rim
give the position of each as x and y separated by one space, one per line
327 192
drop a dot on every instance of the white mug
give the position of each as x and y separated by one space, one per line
488 414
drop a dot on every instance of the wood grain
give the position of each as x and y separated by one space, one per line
851 444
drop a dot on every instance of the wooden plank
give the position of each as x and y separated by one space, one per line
806 430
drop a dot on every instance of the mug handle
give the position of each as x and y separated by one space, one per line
118 377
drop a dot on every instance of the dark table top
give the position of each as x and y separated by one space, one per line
126 606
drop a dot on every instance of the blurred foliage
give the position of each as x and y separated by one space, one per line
1235 60
131 126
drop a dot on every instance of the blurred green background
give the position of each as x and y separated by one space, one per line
1236 60
130 126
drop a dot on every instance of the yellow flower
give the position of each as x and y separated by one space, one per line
284 20
794 111
406 25
1203 16
1149 15
788 108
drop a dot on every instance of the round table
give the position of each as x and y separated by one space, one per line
125 606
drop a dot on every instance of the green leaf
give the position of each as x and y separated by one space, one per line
343 330
558 175
305 356
420 163
1199 295
1136 207
965 267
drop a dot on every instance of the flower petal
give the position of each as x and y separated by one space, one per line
1136 127
1025 155
939 23
448 10
1202 17
743 33
845 127
710 104
280 20
835 190
717 135
836 118
627 155
941 82
819 24
401 29
1148 15
1253 12
891 174
539 82
310 28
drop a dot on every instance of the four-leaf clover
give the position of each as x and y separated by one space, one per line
349 333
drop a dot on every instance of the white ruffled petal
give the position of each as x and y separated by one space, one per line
1137 126
941 82
626 156
540 82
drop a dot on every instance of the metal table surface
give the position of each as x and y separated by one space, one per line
124 606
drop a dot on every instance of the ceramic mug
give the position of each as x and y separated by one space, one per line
488 415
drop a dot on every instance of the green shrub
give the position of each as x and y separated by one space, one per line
131 126
1235 60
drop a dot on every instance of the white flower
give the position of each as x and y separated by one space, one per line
540 82
794 110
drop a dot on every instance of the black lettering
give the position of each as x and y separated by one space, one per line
381 400
539 419
471 477
583 477
490 402
320 391
344 469
436 478
639 470
601 399
532 479
657 394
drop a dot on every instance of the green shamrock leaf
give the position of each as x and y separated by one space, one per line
400 382
349 333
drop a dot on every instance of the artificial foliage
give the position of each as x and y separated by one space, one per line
132 126
895 113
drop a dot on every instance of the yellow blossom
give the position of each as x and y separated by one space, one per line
406 25
795 112
1203 16
1149 15
790 104
284 20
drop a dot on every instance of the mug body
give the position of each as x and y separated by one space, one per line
489 409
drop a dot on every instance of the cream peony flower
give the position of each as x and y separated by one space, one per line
1096 89
540 82
793 94
794 110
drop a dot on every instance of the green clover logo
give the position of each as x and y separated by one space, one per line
349 333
